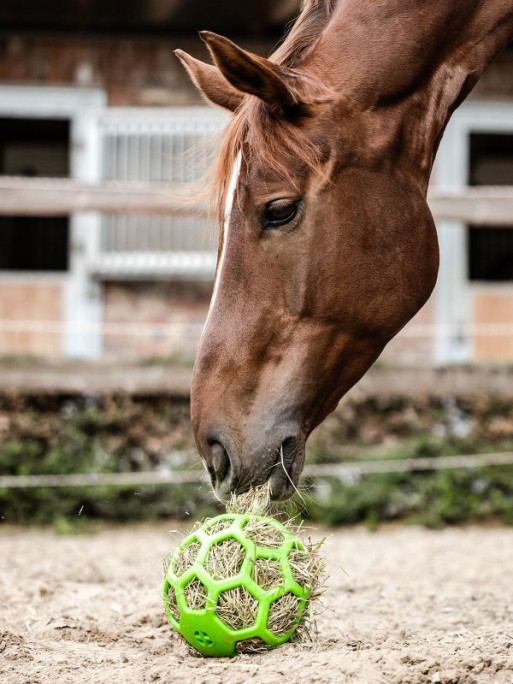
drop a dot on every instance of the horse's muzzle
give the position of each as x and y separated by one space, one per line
279 463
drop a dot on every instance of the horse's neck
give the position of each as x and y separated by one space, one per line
420 56
381 50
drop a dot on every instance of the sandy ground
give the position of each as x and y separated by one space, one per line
417 607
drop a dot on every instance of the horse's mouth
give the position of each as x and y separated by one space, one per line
282 471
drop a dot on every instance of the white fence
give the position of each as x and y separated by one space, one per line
484 206
142 156
146 231
129 224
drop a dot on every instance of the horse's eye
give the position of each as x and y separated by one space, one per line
279 212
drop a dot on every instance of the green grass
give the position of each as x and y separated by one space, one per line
118 433
435 499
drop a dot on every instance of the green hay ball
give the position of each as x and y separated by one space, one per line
229 586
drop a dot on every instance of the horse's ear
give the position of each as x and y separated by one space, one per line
279 87
210 82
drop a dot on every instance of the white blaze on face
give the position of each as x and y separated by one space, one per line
230 195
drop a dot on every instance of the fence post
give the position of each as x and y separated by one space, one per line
83 299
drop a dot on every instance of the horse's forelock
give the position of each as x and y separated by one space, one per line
279 146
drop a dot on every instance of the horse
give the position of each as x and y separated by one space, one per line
327 246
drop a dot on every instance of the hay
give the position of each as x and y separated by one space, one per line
185 559
237 608
263 533
172 603
267 573
225 559
308 565
218 526
283 614
253 502
196 594
254 645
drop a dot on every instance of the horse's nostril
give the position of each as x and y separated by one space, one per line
287 468
288 449
220 462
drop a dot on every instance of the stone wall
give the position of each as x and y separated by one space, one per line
133 71
165 320
414 345
31 317
159 319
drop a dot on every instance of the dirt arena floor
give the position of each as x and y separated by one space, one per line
415 607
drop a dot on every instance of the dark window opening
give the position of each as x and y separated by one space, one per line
490 250
34 147
33 243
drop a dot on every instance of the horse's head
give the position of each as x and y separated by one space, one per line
327 249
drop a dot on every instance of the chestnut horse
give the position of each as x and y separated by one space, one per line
328 247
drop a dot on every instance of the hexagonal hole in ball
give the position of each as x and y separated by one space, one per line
185 559
267 573
225 559
237 608
263 533
218 526
196 594
283 614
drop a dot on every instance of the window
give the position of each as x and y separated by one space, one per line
490 250
34 147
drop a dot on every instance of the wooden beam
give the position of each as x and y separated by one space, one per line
60 197
487 206
481 206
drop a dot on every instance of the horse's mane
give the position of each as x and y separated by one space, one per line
254 128
304 32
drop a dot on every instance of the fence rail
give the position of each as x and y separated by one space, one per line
490 206
480 206
61 197
340 471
